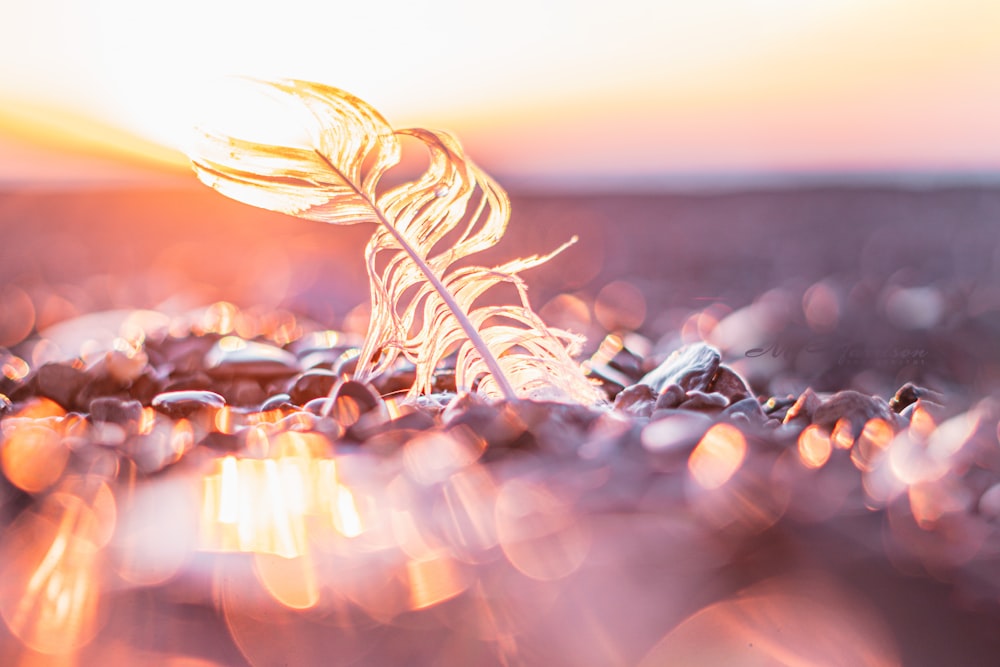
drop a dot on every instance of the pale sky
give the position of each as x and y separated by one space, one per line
538 91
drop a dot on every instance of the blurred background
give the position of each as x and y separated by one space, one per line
569 94
833 166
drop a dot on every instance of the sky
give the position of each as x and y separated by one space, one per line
635 92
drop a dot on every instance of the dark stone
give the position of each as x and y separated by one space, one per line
397 380
692 367
277 402
99 385
464 404
670 397
184 355
177 404
444 380
24 390
637 400
116 411
313 383
61 383
223 442
231 357
936 410
612 382
730 384
360 393
908 394
704 401
351 401
855 407
627 363
498 424
145 387
748 408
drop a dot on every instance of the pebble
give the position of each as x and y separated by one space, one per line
611 381
776 406
232 356
748 408
145 387
692 367
351 401
498 424
704 401
60 382
908 394
177 404
280 401
347 363
671 396
398 380
627 363
313 383
637 400
316 406
936 410
182 355
730 384
5 405
803 408
855 407
110 410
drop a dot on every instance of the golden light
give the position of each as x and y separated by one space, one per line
718 455
875 437
649 90
33 455
814 447
922 424
346 518
842 436
50 579
434 579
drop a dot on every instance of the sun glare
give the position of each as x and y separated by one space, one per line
673 86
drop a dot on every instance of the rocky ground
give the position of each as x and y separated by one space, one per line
798 458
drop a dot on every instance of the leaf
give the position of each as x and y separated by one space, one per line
423 306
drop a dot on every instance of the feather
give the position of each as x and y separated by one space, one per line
423 306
